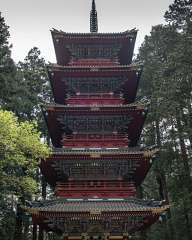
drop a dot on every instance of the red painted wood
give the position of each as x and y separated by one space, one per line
94 101
94 62
96 140
137 116
64 56
57 76
95 189
63 94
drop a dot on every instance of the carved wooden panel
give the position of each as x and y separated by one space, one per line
97 169
97 225
85 51
108 123
93 84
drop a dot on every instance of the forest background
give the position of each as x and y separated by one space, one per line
166 81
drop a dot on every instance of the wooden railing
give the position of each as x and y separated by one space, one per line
96 140
96 188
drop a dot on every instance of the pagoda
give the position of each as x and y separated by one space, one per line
97 164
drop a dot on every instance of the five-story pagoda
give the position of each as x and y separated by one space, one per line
95 126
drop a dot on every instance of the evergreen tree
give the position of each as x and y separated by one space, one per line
35 85
7 66
180 14
166 79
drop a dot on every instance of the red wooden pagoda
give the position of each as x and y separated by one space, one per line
95 127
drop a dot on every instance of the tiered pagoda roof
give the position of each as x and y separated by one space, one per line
73 216
95 125
79 81
96 206
66 45
99 119
92 164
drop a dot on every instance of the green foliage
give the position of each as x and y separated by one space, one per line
166 79
180 13
20 152
23 88
7 66
35 88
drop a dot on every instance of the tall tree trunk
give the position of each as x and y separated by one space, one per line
184 155
186 173
18 224
44 188
161 180
187 222
188 122
160 173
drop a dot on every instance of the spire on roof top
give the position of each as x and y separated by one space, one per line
93 18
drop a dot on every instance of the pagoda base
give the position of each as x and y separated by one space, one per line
96 217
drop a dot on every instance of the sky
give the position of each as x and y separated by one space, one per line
31 20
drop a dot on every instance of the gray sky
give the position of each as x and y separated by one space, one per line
31 20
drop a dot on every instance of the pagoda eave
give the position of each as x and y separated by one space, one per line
101 108
66 120
62 34
126 42
104 152
97 164
95 69
140 162
132 214
67 206
125 81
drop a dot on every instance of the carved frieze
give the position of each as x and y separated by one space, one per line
86 51
94 84
97 225
97 168
89 123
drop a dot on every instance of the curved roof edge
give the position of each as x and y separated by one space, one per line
127 33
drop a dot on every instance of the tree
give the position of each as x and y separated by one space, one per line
21 150
167 81
7 66
23 88
180 14
35 85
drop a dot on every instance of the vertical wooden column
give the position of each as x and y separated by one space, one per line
34 231
125 236
41 233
